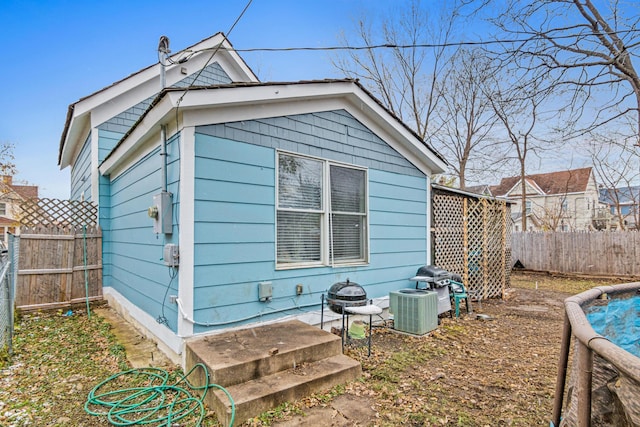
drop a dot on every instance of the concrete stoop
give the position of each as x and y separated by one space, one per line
265 366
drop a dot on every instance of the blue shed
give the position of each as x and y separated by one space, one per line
225 201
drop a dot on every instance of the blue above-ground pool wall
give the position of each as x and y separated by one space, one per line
234 206
133 253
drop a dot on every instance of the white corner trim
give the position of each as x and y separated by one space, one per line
187 228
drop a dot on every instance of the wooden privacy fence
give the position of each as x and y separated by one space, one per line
471 237
59 259
614 253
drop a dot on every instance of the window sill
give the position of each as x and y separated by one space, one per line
341 265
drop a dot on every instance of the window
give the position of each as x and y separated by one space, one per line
321 213
527 206
3 208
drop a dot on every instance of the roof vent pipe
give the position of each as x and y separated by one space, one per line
163 54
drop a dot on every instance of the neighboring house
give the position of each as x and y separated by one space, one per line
11 196
555 201
482 189
234 202
624 206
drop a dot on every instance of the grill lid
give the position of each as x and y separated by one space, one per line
346 294
432 274
432 271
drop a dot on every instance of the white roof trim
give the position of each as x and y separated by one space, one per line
211 106
529 182
103 105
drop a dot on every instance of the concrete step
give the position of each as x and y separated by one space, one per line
243 355
261 394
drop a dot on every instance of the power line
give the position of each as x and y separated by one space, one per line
217 48
534 37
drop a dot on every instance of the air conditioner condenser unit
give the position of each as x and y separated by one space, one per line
415 311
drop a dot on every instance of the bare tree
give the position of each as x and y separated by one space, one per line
617 166
403 75
465 116
584 49
556 215
520 110
7 158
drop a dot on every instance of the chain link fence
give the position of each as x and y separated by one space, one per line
8 273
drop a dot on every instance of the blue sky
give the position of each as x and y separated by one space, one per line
58 51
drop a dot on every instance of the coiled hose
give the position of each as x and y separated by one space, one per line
156 402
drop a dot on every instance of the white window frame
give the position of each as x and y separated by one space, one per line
326 260
3 208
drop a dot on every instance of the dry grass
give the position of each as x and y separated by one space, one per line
467 373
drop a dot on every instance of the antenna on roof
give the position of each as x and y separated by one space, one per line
163 54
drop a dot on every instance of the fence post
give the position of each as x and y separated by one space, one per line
562 371
6 308
583 386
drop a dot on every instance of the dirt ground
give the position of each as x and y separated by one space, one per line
499 369
496 370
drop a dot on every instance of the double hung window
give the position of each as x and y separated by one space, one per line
321 213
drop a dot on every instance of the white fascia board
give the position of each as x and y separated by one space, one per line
77 132
528 183
236 68
113 100
536 187
136 144
413 149
278 100
204 107
82 132
138 80
130 152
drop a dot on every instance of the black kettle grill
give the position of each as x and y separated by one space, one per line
346 294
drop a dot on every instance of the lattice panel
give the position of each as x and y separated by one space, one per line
471 239
448 231
59 213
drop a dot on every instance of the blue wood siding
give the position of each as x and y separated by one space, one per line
213 74
333 135
133 254
81 173
235 217
106 141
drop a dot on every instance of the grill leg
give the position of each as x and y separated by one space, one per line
342 331
322 311
370 332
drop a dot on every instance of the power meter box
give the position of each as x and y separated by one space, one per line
171 255
161 213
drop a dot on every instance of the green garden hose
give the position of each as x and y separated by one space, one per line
156 402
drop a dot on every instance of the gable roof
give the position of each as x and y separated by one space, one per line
482 189
561 182
246 101
244 98
143 84
24 192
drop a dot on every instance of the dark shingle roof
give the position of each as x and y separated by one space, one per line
563 182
